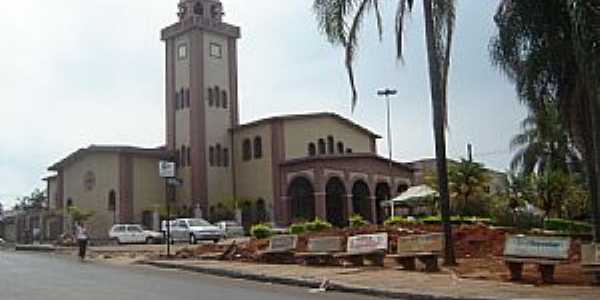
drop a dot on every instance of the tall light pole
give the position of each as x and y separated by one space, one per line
387 93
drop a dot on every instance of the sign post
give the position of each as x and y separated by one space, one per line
167 170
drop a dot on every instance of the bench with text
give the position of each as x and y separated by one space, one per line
545 251
590 262
281 249
370 247
426 248
320 250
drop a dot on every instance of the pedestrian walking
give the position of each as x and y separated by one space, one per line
82 239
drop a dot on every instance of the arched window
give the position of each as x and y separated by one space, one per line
219 154
177 157
330 145
225 157
69 202
199 9
217 96
258 147
177 101
247 150
322 149
224 100
183 160
187 97
211 156
312 149
340 148
211 97
112 200
189 156
182 98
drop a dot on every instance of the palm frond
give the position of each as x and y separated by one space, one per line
404 7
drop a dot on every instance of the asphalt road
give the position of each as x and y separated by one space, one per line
50 277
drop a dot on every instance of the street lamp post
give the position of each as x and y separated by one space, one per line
387 93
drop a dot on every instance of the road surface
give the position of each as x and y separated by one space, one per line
51 277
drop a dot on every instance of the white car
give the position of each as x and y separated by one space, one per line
231 228
194 230
133 234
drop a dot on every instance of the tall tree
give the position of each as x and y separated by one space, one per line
35 201
544 143
341 21
550 50
468 181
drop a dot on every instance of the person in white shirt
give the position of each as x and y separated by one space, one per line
82 239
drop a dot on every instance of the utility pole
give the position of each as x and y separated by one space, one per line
387 93
470 152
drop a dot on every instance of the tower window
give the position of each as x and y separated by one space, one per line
217 96
183 160
177 100
177 157
216 50
340 148
211 97
112 200
182 52
188 153
199 9
218 154
211 156
224 100
247 150
187 97
257 147
322 149
312 149
225 157
330 146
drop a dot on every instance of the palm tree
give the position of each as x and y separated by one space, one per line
468 181
544 143
550 50
341 21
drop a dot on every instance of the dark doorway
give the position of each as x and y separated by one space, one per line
302 200
382 193
361 203
336 202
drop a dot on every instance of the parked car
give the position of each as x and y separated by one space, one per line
133 233
231 228
194 230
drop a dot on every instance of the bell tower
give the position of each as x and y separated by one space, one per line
201 101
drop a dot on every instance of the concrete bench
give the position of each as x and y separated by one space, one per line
425 248
545 252
280 250
321 250
590 263
365 247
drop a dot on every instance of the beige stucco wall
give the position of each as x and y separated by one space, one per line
52 189
254 178
148 187
300 132
218 119
182 117
105 167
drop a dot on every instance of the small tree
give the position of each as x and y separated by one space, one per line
34 201
78 215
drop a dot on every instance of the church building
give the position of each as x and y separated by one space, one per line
285 168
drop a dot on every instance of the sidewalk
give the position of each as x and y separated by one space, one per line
387 282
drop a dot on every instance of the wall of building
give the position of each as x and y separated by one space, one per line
148 187
105 167
254 178
218 119
300 132
52 193
182 117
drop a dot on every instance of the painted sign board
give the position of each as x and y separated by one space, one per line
166 169
325 244
281 243
537 246
367 242
590 254
421 243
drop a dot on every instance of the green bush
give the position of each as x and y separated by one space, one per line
456 220
317 225
260 231
517 219
357 220
399 221
567 226
298 228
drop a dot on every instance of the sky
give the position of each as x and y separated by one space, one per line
75 73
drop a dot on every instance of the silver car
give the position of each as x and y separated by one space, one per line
231 228
194 230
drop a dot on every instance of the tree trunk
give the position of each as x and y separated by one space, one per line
435 78
594 165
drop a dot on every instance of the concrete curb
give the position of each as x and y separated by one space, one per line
36 248
307 283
